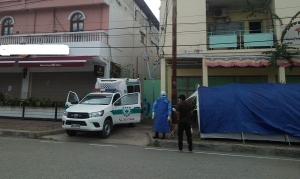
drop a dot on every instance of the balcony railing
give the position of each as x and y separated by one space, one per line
240 39
55 38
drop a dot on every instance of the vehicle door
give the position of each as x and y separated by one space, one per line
71 99
127 109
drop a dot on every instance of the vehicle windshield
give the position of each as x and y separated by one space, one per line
96 99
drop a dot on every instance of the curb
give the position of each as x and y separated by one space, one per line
235 148
29 134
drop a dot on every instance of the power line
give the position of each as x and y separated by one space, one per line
126 20
138 27
37 1
130 35
186 45
25 3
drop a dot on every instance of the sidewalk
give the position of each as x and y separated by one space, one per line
219 145
29 128
38 128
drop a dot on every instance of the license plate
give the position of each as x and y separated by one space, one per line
77 126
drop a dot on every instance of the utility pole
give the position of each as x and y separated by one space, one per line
174 53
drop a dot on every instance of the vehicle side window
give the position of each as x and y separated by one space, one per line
117 96
130 89
128 99
72 98
137 88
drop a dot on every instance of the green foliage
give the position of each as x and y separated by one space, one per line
282 50
6 100
252 10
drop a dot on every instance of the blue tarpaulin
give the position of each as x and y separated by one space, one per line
254 108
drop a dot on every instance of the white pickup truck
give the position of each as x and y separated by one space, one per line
115 101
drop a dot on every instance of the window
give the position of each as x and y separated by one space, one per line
224 28
128 99
117 96
133 88
73 98
255 27
187 85
77 22
7 26
137 88
130 89
143 37
96 99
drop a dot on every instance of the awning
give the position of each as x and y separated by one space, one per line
62 61
239 61
8 62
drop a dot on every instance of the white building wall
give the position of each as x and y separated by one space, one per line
125 40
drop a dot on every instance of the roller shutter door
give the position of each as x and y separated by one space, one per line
292 79
56 86
223 80
12 82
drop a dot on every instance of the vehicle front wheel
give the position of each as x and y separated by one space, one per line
106 129
71 133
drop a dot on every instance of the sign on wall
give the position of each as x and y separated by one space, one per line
293 35
98 71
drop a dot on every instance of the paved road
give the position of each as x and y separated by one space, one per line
35 158
122 134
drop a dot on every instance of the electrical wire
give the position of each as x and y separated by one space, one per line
142 8
37 1
25 3
185 45
166 15
138 27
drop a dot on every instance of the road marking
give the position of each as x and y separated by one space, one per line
101 145
45 141
231 155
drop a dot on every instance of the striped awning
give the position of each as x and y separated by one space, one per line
247 61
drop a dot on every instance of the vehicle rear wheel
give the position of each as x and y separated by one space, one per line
107 127
71 133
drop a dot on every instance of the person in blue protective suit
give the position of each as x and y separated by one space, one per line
161 113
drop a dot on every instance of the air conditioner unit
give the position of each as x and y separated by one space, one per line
220 13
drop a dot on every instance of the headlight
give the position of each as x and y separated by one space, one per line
65 113
96 114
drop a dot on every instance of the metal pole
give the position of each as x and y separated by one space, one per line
174 53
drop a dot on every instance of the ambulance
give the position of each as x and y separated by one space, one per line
113 101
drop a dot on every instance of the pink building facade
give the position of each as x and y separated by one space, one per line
105 39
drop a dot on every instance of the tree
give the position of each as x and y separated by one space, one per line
282 50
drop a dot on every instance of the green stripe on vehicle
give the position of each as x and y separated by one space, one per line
132 111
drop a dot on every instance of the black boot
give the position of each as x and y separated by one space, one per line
156 135
164 136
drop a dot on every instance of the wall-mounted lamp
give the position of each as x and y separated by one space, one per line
55 30
17 31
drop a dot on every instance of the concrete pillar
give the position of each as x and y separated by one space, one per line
281 75
25 86
204 73
163 72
